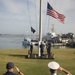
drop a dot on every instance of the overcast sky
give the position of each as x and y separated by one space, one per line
17 16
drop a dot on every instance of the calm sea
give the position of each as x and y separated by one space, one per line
11 41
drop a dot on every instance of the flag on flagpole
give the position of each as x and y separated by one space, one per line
33 30
55 14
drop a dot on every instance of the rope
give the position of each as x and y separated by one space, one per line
54 3
36 17
50 19
29 17
46 20
29 13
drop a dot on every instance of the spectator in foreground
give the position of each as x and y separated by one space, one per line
54 67
10 69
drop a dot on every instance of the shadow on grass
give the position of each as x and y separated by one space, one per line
17 55
26 57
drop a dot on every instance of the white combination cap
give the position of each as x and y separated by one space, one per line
53 65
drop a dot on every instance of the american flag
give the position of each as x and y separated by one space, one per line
55 14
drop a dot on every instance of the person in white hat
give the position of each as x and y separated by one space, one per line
54 67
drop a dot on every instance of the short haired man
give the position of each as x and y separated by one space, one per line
54 67
10 68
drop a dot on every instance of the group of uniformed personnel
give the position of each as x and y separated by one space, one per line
48 47
42 45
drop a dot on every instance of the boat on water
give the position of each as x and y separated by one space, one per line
28 41
35 42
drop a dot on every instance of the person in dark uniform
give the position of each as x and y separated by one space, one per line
41 49
10 69
48 47
31 48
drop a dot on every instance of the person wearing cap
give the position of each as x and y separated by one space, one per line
10 69
54 67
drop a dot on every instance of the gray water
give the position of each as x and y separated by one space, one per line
11 42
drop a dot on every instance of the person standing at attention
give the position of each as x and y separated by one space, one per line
48 47
54 67
10 69
41 49
31 48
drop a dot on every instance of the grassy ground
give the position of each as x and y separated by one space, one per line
66 58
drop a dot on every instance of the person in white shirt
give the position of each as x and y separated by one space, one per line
54 67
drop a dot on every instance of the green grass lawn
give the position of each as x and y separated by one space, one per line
66 58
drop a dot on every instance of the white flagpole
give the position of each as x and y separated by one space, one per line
40 27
